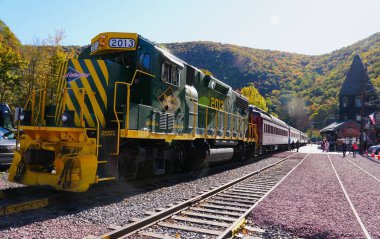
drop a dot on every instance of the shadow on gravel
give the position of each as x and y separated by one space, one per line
113 192
375 160
321 235
274 231
4 168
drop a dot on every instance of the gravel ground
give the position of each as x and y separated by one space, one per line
95 215
363 191
4 183
267 232
309 203
372 165
171 232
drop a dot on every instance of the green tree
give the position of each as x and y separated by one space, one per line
11 64
44 60
254 96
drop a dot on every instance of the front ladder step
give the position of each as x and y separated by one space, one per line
106 179
102 163
108 168
108 162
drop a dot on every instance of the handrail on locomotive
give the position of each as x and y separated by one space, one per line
41 107
128 104
189 113
251 134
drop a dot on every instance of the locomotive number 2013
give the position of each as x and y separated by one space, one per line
121 43
216 103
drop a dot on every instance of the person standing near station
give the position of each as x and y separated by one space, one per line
297 145
354 148
323 146
292 145
344 148
327 146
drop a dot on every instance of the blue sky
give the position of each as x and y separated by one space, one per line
302 26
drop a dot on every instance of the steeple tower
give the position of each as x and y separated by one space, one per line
356 87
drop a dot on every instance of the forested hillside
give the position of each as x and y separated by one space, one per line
299 88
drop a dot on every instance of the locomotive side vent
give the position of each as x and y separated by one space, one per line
170 121
163 121
241 103
166 121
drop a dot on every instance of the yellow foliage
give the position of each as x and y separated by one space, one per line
254 97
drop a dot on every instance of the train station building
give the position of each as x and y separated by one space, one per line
357 105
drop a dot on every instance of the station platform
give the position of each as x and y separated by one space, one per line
326 196
314 148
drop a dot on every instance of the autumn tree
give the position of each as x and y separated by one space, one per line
11 63
254 96
44 59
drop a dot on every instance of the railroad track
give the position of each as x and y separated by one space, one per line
21 199
219 213
15 200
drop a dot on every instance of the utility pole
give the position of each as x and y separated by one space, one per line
363 134
362 123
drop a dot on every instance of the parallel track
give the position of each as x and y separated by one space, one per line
219 213
15 200
21 199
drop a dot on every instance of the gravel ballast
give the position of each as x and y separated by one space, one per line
4 183
371 165
93 216
309 203
363 191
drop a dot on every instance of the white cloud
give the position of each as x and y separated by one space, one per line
274 20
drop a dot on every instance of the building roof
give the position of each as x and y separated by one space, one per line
334 126
356 80
331 127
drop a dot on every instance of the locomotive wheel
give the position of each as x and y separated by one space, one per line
239 152
179 157
195 155
127 163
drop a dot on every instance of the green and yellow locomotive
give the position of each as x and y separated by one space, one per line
127 108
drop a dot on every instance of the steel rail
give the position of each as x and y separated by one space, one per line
134 227
9 206
29 198
21 205
229 232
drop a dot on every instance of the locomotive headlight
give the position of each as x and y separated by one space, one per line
25 117
64 118
67 118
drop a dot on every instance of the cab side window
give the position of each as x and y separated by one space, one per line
170 74
144 62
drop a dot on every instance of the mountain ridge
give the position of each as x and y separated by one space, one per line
286 80
301 89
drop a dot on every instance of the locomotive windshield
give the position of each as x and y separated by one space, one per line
128 59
